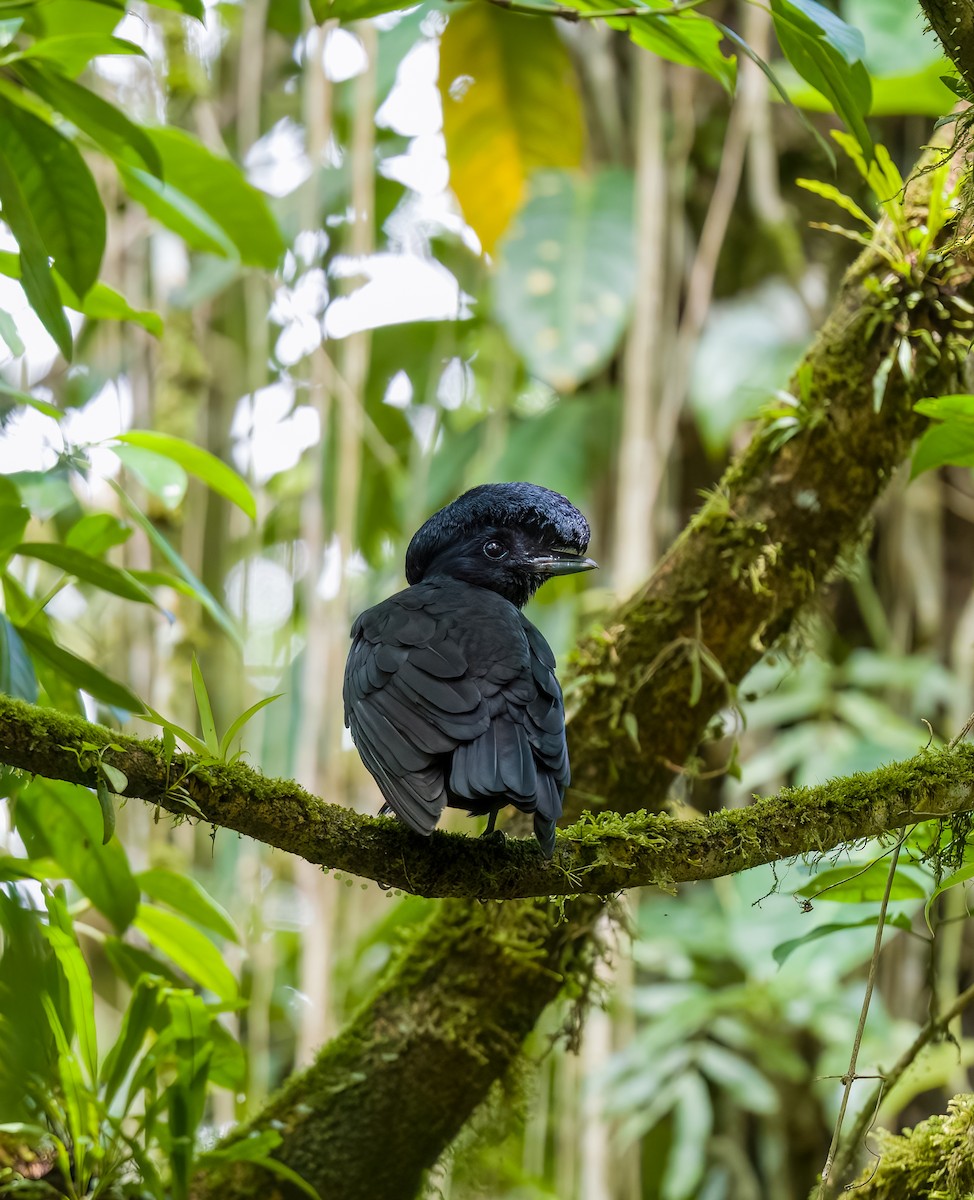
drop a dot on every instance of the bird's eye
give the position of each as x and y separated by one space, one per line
495 550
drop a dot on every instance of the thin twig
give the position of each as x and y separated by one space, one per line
850 1076
934 1029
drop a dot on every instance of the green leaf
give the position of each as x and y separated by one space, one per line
81 997
35 273
72 52
784 950
862 883
186 895
136 1023
690 39
566 274
65 821
256 1148
13 522
192 8
827 54
510 107
197 181
946 408
962 875
101 121
107 809
201 463
92 570
17 676
352 10
177 212
159 475
80 673
200 591
227 740
191 951
95 533
951 443
19 397
58 188
101 303
205 710
10 335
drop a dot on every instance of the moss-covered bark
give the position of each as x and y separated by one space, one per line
935 1159
597 856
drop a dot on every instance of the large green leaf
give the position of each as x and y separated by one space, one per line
58 188
79 673
201 463
92 570
208 194
191 950
72 52
101 121
827 53
510 106
186 895
17 676
64 821
81 995
566 274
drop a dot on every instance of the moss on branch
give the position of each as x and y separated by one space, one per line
599 854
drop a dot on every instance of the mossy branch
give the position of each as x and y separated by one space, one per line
598 855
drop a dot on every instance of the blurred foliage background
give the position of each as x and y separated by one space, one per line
592 277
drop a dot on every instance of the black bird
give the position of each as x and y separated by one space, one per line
450 691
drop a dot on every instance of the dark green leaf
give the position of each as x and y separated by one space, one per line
101 121
186 895
58 188
17 676
81 674
65 821
92 570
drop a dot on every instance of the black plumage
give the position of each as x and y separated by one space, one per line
450 691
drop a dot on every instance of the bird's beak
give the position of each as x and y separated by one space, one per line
560 563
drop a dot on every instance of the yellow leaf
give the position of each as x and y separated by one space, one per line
510 106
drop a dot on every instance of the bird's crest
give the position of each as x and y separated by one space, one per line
549 515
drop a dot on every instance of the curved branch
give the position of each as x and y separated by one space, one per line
598 855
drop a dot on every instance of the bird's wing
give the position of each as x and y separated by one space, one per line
522 756
410 698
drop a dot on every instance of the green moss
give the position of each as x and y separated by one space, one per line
933 1160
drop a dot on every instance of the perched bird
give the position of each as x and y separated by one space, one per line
450 691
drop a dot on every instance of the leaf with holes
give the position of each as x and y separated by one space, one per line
510 106
566 274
